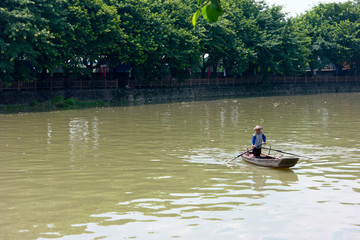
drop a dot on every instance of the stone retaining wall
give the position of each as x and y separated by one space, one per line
176 94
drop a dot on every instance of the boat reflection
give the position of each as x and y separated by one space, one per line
263 177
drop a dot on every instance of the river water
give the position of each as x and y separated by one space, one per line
157 171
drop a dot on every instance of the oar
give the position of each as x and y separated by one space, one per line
285 152
237 156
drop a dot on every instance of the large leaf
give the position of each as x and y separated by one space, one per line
212 11
195 17
220 10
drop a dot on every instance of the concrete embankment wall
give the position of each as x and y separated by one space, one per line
162 95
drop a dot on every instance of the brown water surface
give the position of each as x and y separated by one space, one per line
158 172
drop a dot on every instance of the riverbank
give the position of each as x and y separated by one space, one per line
13 101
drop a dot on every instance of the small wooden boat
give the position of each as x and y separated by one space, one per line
270 161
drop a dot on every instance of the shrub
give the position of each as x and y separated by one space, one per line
58 100
69 103
33 103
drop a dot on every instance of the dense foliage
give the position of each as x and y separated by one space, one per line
165 38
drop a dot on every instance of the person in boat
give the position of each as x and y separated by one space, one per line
258 140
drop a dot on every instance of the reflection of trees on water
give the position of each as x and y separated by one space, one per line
205 123
95 132
82 136
235 116
49 131
78 132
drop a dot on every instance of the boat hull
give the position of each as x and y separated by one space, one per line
269 161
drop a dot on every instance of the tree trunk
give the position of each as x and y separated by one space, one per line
203 72
43 75
215 70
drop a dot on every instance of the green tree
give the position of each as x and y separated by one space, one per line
28 38
334 33
160 40
279 47
96 37
266 41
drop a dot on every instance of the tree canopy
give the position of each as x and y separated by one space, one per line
333 31
167 37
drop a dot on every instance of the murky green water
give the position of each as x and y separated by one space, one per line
158 172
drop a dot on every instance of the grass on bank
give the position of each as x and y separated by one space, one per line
58 103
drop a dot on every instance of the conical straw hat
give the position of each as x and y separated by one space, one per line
257 128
